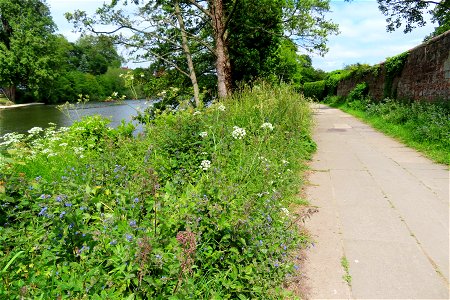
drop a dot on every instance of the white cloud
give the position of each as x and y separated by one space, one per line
363 37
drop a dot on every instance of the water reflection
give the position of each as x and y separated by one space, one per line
21 119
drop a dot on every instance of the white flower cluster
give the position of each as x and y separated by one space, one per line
35 130
205 165
267 126
285 211
221 107
11 138
203 134
197 113
238 133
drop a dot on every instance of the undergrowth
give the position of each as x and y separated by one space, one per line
198 207
421 125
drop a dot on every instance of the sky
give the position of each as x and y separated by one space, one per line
362 39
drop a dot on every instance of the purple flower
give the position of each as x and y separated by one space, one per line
44 196
113 242
68 204
129 237
61 215
132 223
43 210
276 264
136 200
296 267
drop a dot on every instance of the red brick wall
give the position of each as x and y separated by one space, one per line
425 75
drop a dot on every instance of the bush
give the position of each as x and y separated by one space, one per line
315 90
196 208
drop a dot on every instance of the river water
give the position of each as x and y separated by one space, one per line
21 119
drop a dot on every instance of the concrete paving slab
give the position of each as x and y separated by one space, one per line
383 206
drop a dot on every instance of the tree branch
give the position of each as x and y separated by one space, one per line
204 10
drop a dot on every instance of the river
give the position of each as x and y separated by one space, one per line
21 119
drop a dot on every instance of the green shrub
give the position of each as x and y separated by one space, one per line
197 208
315 90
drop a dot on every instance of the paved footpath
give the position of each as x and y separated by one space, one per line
381 205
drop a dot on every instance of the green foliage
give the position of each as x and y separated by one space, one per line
394 66
411 13
359 92
315 90
26 40
197 208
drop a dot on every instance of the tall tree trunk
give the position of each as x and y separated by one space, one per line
10 93
223 65
187 52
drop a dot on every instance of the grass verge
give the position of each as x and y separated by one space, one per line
196 208
422 126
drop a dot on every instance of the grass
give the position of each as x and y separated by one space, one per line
422 126
347 277
198 207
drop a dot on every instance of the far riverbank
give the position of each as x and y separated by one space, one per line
19 105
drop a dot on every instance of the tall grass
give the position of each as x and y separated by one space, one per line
199 207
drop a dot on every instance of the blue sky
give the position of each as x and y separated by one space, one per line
363 37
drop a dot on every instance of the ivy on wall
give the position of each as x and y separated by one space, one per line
394 67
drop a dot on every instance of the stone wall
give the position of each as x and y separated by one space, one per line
425 75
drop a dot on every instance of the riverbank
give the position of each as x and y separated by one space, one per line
200 207
19 105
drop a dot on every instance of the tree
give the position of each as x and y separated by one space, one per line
411 13
26 39
206 27
94 54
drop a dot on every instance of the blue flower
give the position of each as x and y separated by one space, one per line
71 226
67 204
276 264
132 223
61 215
38 178
42 212
129 237
158 256
296 267
136 200
113 242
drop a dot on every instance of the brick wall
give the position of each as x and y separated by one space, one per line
425 75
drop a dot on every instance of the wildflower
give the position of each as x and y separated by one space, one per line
62 214
158 256
197 113
136 200
285 211
203 134
276 264
129 237
42 212
205 165
267 126
35 130
63 145
68 204
113 242
296 267
285 162
221 107
132 223
44 196
238 133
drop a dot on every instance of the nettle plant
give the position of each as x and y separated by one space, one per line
198 207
